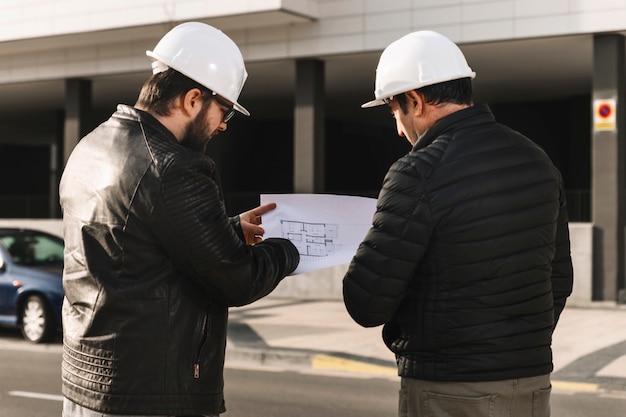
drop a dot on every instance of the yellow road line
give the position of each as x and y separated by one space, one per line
575 386
329 362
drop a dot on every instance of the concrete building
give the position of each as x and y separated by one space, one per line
554 70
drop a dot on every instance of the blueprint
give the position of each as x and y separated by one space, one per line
327 229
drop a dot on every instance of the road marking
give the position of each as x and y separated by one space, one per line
37 395
575 386
341 364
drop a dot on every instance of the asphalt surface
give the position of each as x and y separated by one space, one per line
589 344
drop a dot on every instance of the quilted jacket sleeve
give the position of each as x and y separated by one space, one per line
378 277
193 226
562 269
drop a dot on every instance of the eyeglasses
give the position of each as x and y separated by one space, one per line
230 112
388 100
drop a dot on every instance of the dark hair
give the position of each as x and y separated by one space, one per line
457 91
160 90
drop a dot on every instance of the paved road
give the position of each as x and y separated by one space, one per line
30 387
318 339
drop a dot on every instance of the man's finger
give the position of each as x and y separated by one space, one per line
265 208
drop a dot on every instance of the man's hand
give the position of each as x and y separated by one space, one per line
250 221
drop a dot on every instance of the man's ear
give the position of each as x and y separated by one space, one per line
191 102
415 99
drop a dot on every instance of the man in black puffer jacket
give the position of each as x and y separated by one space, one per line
152 261
467 263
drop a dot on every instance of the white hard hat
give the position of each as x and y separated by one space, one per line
206 55
416 60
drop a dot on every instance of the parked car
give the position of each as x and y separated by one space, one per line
31 288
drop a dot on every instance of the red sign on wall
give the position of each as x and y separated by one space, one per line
604 114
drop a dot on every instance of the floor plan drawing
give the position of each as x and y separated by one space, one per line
325 228
313 240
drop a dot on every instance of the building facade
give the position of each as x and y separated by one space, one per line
553 70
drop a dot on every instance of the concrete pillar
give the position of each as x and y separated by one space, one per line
308 161
608 162
53 199
77 112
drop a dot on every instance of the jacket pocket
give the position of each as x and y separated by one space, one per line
541 402
445 405
204 337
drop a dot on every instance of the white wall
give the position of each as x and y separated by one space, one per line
73 38
24 19
463 20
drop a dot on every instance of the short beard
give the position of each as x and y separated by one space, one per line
195 136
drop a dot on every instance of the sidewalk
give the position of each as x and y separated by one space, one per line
298 334
589 344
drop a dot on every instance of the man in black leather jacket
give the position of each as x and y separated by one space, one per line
152 260
467 263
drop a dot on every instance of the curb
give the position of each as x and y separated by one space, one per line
283 358
302 360
298 359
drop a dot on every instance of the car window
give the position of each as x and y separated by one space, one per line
33 248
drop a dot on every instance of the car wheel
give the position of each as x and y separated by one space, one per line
36 320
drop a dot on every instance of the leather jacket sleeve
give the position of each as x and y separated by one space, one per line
205 243
235 221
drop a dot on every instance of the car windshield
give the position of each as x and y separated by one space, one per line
32 248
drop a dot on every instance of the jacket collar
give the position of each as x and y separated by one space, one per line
145 118
469 116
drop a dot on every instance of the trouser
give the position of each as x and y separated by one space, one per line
523 397
71 409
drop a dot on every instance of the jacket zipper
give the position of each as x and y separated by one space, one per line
206 329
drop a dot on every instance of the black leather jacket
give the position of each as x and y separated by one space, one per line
468 260
152 263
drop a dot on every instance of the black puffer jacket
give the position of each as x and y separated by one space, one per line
152 262
468 260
